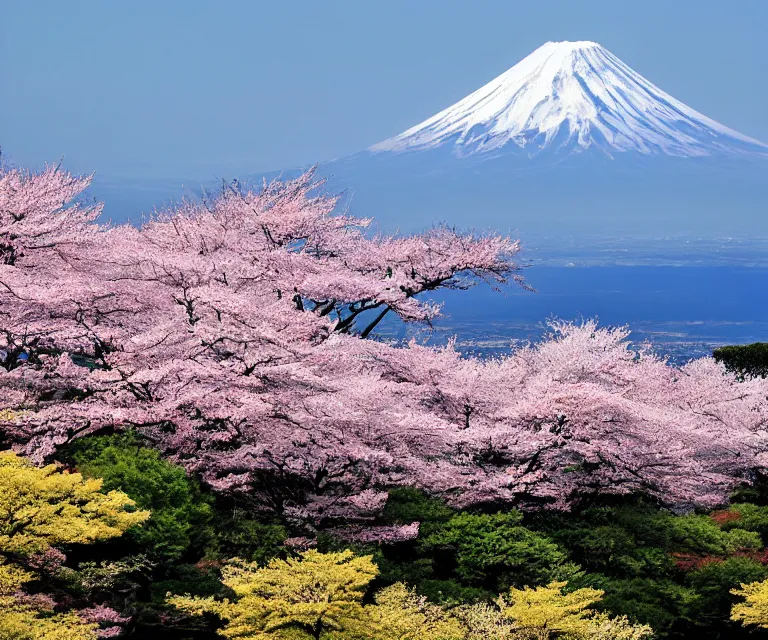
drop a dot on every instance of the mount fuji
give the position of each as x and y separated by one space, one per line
570 144
572 151
572 96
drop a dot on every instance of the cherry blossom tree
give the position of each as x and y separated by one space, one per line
231 334
42 223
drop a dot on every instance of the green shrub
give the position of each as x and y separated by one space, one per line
181 514
405 505
749 517
240 534
746 361
495 551
714 582
661 603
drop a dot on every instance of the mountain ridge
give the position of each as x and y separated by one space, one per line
564 189
572 96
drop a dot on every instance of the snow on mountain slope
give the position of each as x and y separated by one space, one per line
573 96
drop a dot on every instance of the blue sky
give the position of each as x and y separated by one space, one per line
191 89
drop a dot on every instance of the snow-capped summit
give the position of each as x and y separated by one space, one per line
572 96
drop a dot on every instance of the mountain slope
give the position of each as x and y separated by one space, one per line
568 149
572 96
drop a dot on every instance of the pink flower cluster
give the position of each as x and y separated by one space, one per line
384 534
110 621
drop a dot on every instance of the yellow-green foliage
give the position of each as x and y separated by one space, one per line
42 507
604 628
319 596
754 609
19 621
315 596
549 608
401 614
25 623
484 621
566 615
11 578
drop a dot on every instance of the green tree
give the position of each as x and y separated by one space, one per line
714 583
745 516
746 360
405 505
181 513
497 551
240 535
673 572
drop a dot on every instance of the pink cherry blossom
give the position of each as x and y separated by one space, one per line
110 621
383 534
231 334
